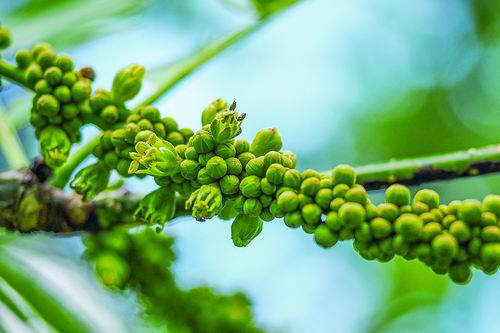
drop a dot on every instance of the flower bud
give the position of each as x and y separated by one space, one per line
118 138
241 146
189 169
81 90
272 157
208 115
72 127
69 79
288 201
216 167
294 219
46 58
357 194
324 237
127 83
266 140
491 203
256 167
113 271
100 99
352 214
48 105
267 187
398 195
53 75
311 213
206 202
310 186
470 212
175 138
275 209
42 87
288 155
333 221
63 94
170 124
489 233
250 187
225 126
244 229
157 156
23 58
490 254
275 173
460 231
225 150
202 142
110 114
143 136
252 207
37 120
55 146
64 62
234 166
460 273
245 158
324 197
5 38
229 184
203 177
293 179
444 246
380 227
344 174
91 180
157 207
33 73
429 197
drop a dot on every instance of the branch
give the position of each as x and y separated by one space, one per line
467 163
13 74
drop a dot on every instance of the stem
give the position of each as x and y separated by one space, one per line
13 74
10 144
63 174
466 163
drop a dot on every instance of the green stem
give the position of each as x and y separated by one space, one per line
10 144
13 74
63 174
466 163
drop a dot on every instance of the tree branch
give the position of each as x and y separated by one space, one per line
13 74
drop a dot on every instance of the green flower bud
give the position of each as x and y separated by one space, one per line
33 73
276 210
202 142
431 230
352 214
226 125
113 271
326 182
267 187
23 58
143 136
336 203
357 194
91 180
293 179
491 203
488 218
53 75
252 207
333 221
64 62
275 174
490 233
145 125
118 138
157 156
256 167
244 229
311 213
490 254
48 105
127 83
234 166
150 113
203 177
160 130
266 200
250 187
363 233
388 211
272 157
191 153
444 246
42 87
288 201
460 273
100 99
344 174
460 231
181 151
63 94
409 226
206 202
309 228
157 207
289 156
398 195
5 38
225 150
311 173
187 133
294 219
419 207
245 158
55 146
208 115
371 211
111 159
170 124
324 197
324 237
132 130
429 197
229 184
380 228
310 186
72 127
400 245
470 211
266 215
110 114
189 169
69 79
266 140
37 120
46 58
175 138
216 167
81 90
123 167
241 146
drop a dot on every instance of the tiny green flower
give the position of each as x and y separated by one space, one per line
100 99
326 182
324 237
487 218
380 227
33 73
252 207
352 214
490 233
470 211
245 158
288 201
55 146
276 210
69 79
310 186
344 174
250 186
292 178
491 203
208 115
203 178
127 83
256 167
205 202
490 254
294 219
145 125
175 138
225 150
363 233
275 173
311 213
336 203
23 58
46 58
398 195
388 211
170 124
48 105
157 156
63 94
113 271
91 180
409 226
189 169
429 197
43 87
110 114
244 229
288 155
324 197
241 146
157 207
272 157
266 140
186 133
81 90
202 142
460 231
444 246
53 75
234 166
229 184
64 62
357 194
460 273
216 167
226 126
333 221
267 187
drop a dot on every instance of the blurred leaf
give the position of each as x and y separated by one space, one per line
268 7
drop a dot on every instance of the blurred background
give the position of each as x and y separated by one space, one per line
345 82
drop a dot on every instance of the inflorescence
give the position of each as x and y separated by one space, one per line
249 183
